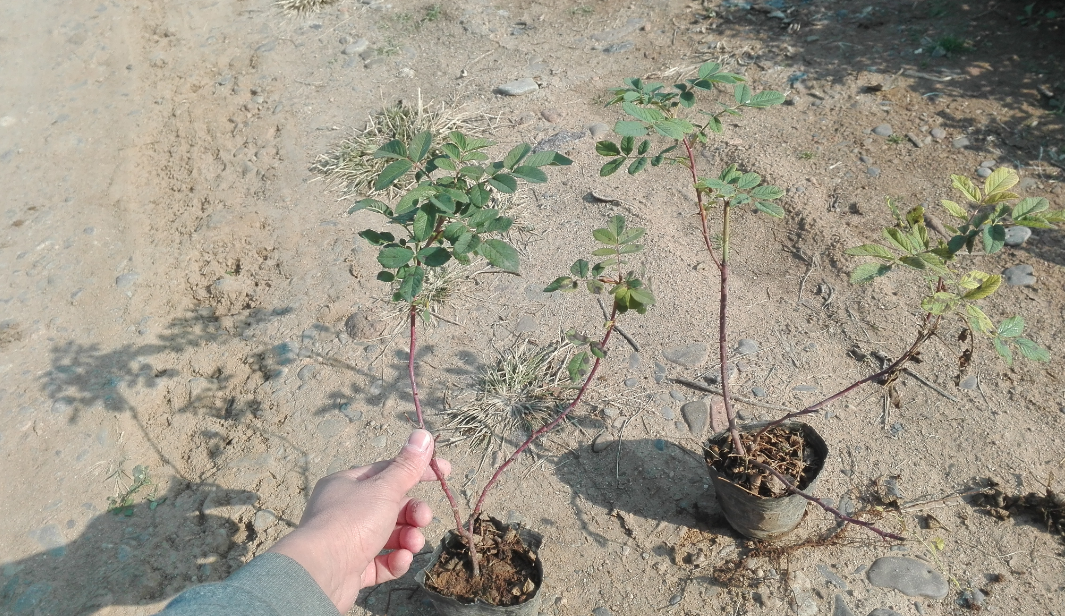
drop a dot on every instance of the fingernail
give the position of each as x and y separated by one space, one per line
419 441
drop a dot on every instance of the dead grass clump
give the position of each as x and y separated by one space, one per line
350 166
524 389
303 6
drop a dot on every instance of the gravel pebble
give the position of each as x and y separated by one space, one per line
883 611
873 171
746 346
598 130
983 172
758 391
1019 275
687 355
970 382
552 115
263 520
696 416
380 441
676 395
840 607
960 142
619 47
353 49
601 442
126 280
988 164
938 133
884 130
911 577
518 87
631 382
865 160
1015 236
914 139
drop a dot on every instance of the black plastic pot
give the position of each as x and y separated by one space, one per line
760 517
449 606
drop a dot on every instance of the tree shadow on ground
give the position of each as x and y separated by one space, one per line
140 554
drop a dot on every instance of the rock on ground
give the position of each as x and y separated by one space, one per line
909 576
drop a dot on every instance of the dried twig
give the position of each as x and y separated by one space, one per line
714 390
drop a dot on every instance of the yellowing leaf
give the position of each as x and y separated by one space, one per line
966 186
979 320
987 287
1000 180
955 210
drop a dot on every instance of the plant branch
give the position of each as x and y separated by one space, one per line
535 435
433 463
722 339
829 508
699 198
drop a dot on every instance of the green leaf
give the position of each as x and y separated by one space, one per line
443 203
1029 205
595 287
434 256
562 283
371 204
616 225
504 183
516 154
644 146
955 210
637 165
597 350
767 192
411 285
645 114
1032 350
452 151
577 366
500 254
630 235
1000 180
611 167
674 128
748 180
419 145
454 231
770 208
966 186
386 276
939 303
445 163
465 243
547 157
973 280
607 148
1011 327
482 217
714 124
1003 350
459 139
392 149
579 268
499 225
979 320
473 172
871 250
994 237
479 195
602 252
914 262
868 271
627 128
424 223
627 143
377 238
605 236
532 175
986 288
391 173
708 68
765 99
394 256
743 94
898 240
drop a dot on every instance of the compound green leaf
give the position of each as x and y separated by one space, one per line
611 167
767 192
955 210
1000 180
423 226
516 154
1029 205
714 124
547 157
465 243
532 175
607 148
742 93
871 250
868 271
770 208
979 321
394 256
765 99
504 183
500 254
994 238
1032 350
748 180
644 146
1003 350
645 114
628 128
637 165
898 240
674 128
708 68
966 186
628 236
939 303
988 286
434 256
411 285
1011 327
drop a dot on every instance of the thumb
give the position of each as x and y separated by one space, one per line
406 469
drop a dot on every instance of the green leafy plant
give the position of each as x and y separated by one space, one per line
446 215
124 504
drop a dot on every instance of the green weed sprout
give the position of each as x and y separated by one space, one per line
446 216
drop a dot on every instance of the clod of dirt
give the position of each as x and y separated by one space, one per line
782 448
509 575
1048 507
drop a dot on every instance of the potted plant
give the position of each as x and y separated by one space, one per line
763 474
483 565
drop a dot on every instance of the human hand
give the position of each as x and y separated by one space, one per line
353 515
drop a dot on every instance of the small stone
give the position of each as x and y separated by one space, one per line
983 172
840 607
634 360
884 130
631 382
938 133
883 611
676 395
598 130
246 168
970 382
557 141
831 577
356 48
988 164
697 416
746 346
619 47
805 388
601 442
380 441
126 280
519 87
307 372
914 139
660 372
552 115
667 413
1027 184
960 142
718 416
687 355
865 160
263 520
908 575
351 413
1019 275
1015 236
224 80
873 172
758 391
972 599
939 52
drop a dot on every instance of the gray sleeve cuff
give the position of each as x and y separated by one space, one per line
270 585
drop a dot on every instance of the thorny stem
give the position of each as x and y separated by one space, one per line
535 435
468 534
829 508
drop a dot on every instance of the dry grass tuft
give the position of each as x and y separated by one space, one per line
350 167
524 389
301 7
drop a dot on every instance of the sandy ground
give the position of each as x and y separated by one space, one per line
176 286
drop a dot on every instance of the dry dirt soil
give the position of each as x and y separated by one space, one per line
176 288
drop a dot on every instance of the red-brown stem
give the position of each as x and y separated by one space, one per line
535 435
922 336
722 341
432 463
699 198
829 508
